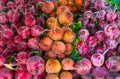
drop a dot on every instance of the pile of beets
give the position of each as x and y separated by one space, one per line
22 26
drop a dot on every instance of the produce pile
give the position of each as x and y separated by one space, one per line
64 39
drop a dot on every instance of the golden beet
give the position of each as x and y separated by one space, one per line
67 64
53 66
69 36
69 49
66 18
79 2
56 34
58 47
61 9
50 54
63 2
66 75
52 76
48 7
52 23
45 43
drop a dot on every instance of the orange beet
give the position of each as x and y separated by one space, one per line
61 9
67 64
69 36
58 48
45 43
53 66
71 2
63 2
66 28
52 14
48 7
79 2
56 34
52 76
66 18
50 54
52 23
69 49
61 56
66 75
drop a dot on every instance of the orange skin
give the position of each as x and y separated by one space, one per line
53 66
66 18
61 9
66 75
66 28
69 36
69 49
74 9
58 48
62 2
45 43
71 2
56 34
61 56
52 23
50 54
52 14
52 76
55 3
48 7
67 64
79 2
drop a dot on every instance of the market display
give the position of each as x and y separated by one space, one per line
59 39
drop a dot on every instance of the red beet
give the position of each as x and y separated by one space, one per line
11 5
34 43
2 60
22 57
13 16
30 21
23 31
6 73
3 17
22 73
18 39
35 65
22 46
8 33
37 30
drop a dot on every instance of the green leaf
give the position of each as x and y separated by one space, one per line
44 15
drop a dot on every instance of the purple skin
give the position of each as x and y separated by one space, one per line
99 49
101 15
112 31
113 63
111 16
99 72
87 14
83 34
82 47
100 35
102 24
92 41
99 4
